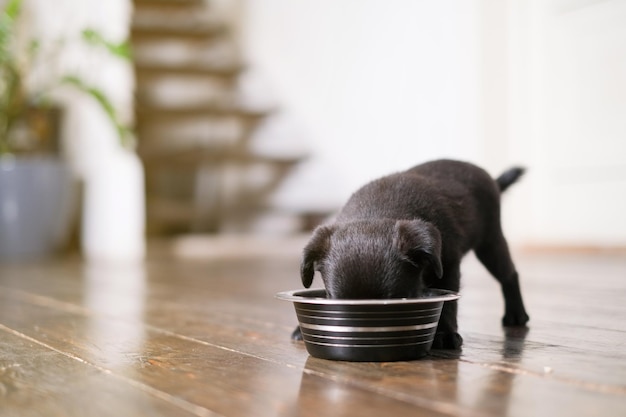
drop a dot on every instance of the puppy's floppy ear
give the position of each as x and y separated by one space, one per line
419 241
313 252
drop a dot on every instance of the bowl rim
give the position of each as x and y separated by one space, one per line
298 296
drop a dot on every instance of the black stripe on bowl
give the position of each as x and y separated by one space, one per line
371 322
367 335
356 345
386 311
368 329
348 341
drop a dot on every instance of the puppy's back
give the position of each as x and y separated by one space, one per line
450 173
461 199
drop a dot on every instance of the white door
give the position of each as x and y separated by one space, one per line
567 120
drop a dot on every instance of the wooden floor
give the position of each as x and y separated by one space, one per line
204 336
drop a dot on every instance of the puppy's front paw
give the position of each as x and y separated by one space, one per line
297 334
517 319
446 340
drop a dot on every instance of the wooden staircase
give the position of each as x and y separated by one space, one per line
192 127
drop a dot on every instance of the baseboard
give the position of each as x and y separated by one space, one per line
573 249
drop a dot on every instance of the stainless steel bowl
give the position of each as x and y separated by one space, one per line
367 330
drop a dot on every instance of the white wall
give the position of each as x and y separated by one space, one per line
381 85
568 119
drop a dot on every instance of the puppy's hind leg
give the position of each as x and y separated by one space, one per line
495 256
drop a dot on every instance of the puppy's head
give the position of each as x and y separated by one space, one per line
373 258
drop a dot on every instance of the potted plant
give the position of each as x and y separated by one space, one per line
37 189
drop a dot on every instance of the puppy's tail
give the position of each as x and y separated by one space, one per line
509 177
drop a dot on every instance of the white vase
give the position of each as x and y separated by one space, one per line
114 213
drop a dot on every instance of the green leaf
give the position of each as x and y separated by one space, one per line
13 8
121 50
7 20
124 133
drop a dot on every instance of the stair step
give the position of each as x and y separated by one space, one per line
173 143
169 4
148 70
196 156
139 33
175 92
176 218
164 113
212 52
183 19
206 131
166 210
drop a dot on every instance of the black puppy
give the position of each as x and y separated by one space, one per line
408 231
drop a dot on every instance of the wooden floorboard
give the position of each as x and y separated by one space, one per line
207 337
38 380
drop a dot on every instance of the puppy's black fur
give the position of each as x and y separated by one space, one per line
408 231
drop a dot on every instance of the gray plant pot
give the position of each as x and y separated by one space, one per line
37 203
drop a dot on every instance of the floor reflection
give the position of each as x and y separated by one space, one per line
496 393
338 388
443 382
514 343
333 396
336 396
116 296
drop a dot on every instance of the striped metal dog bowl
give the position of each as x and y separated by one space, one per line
367 330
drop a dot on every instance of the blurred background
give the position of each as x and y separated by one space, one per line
260 117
